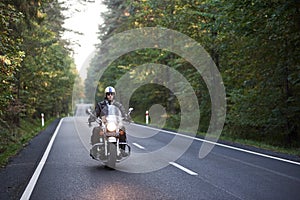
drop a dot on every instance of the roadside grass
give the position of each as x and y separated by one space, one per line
258 144
246 142
20 138
263 145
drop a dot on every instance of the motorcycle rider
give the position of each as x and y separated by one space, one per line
100 111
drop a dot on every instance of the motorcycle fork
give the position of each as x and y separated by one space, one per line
118 149
106 147
106 143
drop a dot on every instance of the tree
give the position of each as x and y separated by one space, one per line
37 72
254 45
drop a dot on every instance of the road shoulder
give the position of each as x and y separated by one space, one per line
17 173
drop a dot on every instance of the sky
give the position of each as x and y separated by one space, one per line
84 17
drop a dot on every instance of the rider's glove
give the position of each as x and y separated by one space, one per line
90 120
127 118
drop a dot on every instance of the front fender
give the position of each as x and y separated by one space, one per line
112 139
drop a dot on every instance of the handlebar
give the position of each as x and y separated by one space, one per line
100 121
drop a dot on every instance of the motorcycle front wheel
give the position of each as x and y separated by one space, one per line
112 157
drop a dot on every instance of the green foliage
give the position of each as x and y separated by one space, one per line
262 99
254 44
37 72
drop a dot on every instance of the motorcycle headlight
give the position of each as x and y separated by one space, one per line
111 127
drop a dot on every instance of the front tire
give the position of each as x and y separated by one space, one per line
112 157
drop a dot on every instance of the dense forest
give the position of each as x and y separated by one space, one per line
254 44
37 70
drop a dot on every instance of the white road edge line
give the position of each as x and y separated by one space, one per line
27 193
138 146
190 172
224 145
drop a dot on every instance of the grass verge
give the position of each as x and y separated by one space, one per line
20 138
262 145
257 144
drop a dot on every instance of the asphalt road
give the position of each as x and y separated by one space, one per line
158 168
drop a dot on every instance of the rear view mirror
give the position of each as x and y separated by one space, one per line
88 111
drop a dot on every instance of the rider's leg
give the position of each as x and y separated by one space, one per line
95 135
122 138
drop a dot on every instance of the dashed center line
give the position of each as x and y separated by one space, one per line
138 146
190 172
184 169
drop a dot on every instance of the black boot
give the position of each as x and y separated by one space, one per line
95 135
92 154
122 138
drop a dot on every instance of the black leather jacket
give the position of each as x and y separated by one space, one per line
101 106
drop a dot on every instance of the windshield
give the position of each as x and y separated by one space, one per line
111 110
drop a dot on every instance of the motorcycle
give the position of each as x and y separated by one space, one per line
109 149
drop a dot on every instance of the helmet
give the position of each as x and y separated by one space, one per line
110 89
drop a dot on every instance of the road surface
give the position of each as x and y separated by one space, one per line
68 172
